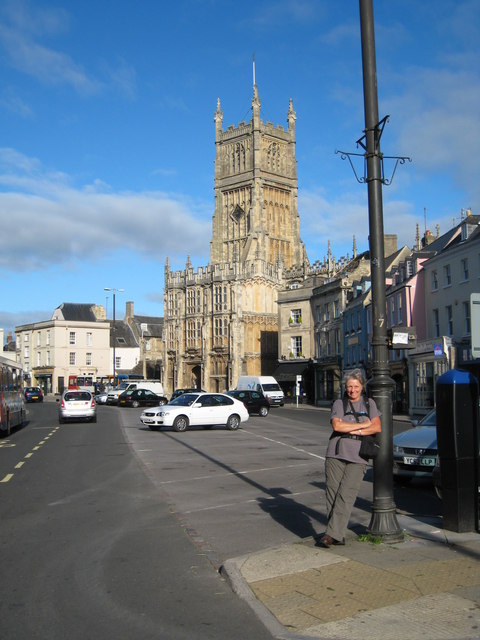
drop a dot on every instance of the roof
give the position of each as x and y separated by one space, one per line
73 311
154 326
122 337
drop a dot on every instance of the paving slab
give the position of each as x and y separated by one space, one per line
427 587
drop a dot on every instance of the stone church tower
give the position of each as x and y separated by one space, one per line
221 321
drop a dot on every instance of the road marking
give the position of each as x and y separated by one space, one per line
249 501
285 444
19 465
249 472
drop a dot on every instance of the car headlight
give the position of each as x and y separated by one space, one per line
397 450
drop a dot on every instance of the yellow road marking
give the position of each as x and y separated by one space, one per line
8 477
20 464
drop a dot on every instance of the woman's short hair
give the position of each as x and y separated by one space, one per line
355 374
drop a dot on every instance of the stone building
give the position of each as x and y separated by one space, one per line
221 321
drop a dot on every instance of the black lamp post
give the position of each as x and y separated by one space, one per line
384 521
113 325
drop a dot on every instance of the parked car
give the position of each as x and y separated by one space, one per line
140 398
33 394
415 451
255 401
77 404
178 392
197 408
101 398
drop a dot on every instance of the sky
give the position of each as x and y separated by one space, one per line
107 137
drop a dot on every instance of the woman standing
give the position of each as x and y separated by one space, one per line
352 418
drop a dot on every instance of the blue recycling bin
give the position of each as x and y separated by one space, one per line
457 410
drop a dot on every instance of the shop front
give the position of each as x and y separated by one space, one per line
426 363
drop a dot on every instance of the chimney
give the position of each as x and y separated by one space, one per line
129 311
390 243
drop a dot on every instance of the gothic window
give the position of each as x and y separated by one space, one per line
190 332
221 327
273 157
220 294
193 301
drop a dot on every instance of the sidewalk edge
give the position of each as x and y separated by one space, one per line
231 572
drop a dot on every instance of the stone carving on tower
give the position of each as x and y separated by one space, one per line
222 320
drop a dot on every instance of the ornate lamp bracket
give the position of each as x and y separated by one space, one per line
362 142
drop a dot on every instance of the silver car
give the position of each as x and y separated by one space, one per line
76 405
415 451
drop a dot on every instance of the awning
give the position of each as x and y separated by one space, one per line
288 371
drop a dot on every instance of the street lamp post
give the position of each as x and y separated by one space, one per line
383 521
113 290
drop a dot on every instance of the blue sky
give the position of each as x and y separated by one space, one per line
107 135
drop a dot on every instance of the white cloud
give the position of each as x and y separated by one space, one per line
47 221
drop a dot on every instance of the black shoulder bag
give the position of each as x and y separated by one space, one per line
369 446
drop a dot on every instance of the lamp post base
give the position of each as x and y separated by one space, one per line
384 524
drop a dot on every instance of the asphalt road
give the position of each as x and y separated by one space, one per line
91 549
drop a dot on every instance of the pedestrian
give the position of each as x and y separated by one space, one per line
352 417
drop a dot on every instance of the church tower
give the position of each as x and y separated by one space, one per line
221 321
256 213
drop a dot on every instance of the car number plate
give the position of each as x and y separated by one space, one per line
420 461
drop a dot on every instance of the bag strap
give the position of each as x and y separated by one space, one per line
348 403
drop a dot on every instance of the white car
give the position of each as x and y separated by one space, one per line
76 405
206 409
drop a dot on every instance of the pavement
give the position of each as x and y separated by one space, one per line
426 587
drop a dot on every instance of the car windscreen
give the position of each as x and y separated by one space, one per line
271 386
185 400
430 420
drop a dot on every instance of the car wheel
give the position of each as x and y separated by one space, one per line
438 491
263 411
135 404
94 419
233 422
180 423
162 401
60 420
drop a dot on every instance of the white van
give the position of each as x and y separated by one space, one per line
153 385
266 385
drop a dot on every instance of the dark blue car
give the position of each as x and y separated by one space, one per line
33 394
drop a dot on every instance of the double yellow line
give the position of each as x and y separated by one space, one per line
20 464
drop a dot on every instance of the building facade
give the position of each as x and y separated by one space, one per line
74 341
221 321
